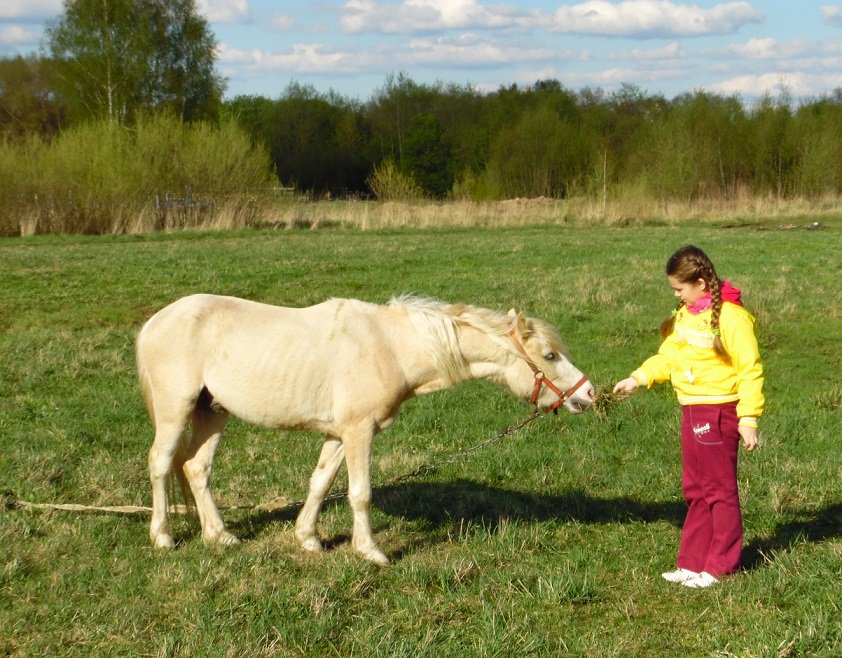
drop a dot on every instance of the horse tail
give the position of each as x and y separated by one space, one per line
143 378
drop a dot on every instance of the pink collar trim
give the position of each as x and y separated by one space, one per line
728 292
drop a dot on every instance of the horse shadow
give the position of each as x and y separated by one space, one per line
439 504
442 506
449 505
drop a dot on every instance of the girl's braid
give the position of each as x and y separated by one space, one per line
715 287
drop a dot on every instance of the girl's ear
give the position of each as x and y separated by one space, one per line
703 285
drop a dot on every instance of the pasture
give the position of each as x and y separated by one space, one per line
547 543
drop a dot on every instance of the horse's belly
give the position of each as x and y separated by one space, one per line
270 414
272 401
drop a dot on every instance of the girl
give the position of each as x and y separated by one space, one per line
710 356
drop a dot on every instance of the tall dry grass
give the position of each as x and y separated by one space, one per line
631 209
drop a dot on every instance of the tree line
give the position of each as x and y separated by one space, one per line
119 62
547 140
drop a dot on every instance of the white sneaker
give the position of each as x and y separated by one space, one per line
704 579
679 575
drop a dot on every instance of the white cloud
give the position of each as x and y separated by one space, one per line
30 9
653 18
281 23
224 11
469 51
300 59
17 35
611 77
756 49
424 15
466 51
797 84
669 52
234 56
768 49
832 15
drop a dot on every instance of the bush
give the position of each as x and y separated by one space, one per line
388 183
105 178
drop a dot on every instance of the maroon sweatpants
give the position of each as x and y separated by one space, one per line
712 537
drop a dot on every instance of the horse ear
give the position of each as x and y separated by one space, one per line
520 323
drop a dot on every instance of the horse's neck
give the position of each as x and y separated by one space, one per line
485 356
477 356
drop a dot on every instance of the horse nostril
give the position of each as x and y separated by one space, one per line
592 394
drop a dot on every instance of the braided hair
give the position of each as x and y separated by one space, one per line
690 264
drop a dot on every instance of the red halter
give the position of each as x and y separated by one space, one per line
542 380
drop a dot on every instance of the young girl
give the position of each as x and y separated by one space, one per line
710 356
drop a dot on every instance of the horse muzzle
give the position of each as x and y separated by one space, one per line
575 399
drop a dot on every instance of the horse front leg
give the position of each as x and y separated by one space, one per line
358 459
321 481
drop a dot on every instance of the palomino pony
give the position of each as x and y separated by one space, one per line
342 368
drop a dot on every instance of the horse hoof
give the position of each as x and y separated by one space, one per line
223 538
227 539
376 556
164 541
311 545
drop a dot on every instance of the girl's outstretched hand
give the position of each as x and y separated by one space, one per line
626 385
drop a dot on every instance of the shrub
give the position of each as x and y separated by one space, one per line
105 178
388 183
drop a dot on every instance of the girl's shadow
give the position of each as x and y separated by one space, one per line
812 526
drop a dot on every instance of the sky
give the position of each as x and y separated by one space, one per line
351 47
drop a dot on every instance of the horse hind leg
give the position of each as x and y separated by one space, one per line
321 481
208 422
168 438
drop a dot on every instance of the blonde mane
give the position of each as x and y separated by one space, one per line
437 322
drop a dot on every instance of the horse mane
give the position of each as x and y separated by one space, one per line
437 322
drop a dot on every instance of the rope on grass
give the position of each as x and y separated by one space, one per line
602 404
11 502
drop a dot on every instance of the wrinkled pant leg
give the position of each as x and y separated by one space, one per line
698 526
712 535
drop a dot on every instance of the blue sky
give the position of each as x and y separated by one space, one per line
663 46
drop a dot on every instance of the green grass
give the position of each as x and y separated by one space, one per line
549 543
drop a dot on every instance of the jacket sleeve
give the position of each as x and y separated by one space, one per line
737 333
658 368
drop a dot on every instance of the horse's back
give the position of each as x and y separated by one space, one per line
271 365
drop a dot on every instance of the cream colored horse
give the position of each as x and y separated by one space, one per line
342 368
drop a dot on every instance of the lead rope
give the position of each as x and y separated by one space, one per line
600 406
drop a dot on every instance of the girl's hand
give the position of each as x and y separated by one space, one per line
627 385
749 435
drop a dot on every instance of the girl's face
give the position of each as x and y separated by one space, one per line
690 291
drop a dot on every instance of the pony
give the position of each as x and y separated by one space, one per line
341 368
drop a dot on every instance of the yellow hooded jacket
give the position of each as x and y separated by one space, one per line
698 374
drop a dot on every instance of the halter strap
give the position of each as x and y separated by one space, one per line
542 380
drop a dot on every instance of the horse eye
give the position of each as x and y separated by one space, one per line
549 356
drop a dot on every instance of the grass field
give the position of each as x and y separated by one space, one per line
550 543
